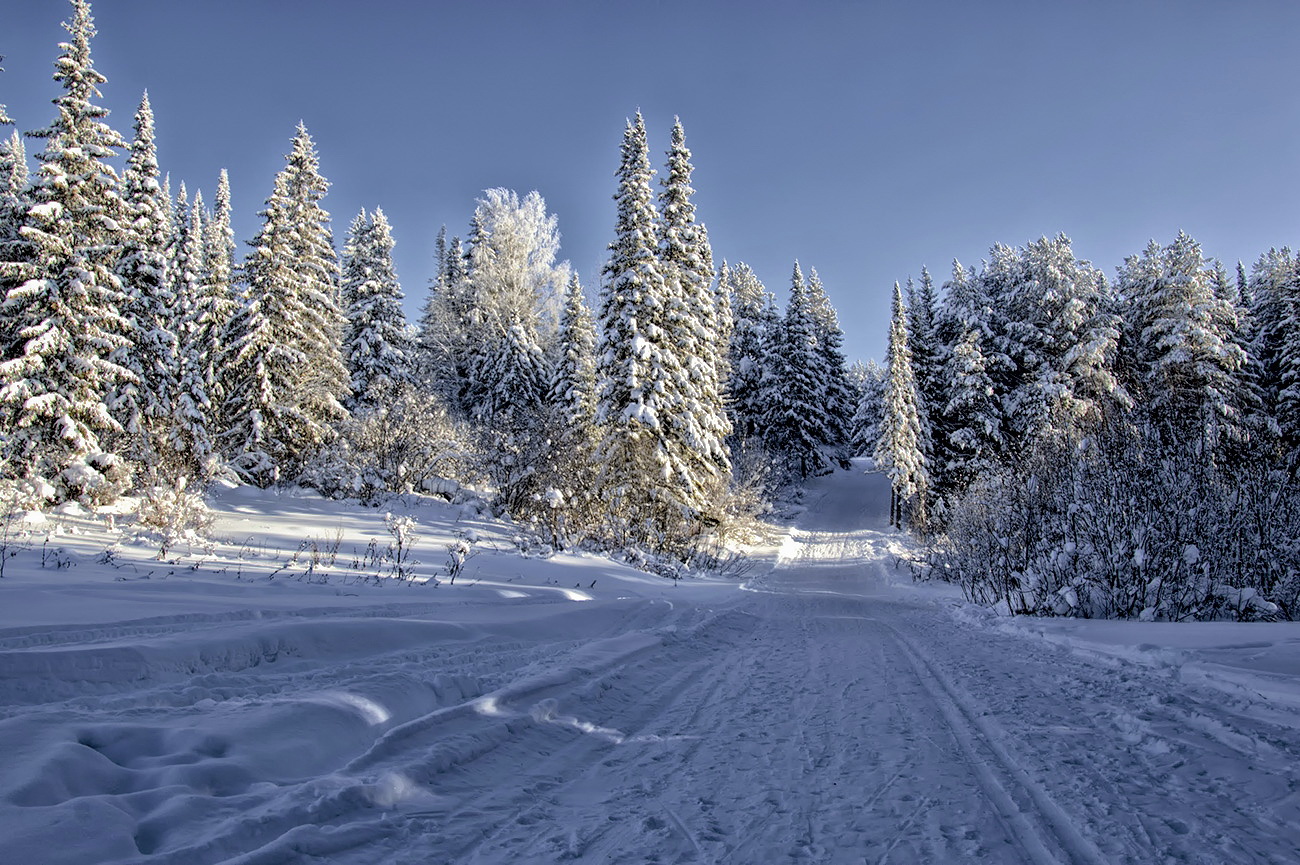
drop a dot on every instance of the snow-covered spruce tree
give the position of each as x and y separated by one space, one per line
840 400
1185 365
444 323
14 249
898 446
1274 291
65 304
1061 334
573 387
864 428
795 413
696 327
928 356
190 440
144 404
285 376
217 300
376 341
570 497
972 417
753 310
645 483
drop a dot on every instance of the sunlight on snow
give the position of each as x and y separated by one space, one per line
373 712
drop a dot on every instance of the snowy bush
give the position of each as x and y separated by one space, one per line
1122 525
407 444
176 513
95 479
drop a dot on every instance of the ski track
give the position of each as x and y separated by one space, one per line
818 717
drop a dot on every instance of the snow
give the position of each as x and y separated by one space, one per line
260 699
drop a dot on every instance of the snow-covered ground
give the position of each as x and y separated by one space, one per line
247 704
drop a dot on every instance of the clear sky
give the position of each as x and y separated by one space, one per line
863 138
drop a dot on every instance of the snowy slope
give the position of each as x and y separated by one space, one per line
823 711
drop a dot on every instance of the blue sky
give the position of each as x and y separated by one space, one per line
864 139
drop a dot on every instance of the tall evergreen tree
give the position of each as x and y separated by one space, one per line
698 422
645 483
865 426
14 249
752 315
795 418
838 397
191 441
898 446
973 419
65 302
143 404
1186 363
218 299
286 377
573 388
377 344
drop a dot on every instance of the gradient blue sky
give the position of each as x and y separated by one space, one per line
865 139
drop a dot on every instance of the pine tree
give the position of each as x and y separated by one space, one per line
1061 335
698 422
1185 362
898 447
644 483
14 249
795 417
190 439
217 300
972 416
838 397
66 301
144 404
286 376
573 387
1274 290
752 314
865 426
376 341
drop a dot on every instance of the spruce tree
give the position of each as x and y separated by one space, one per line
144 404
865 425
752 310
574 383
838 397
795 417
1185 362
285 375
898 446
645 484
14 249
191 441
65 302
698 422
217 300
972 418
376 341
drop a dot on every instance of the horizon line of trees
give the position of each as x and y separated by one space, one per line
137 350
1073 445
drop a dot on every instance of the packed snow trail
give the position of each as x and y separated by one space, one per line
821 715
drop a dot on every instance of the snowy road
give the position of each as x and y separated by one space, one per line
820 715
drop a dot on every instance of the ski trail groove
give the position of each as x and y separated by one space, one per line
978 736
